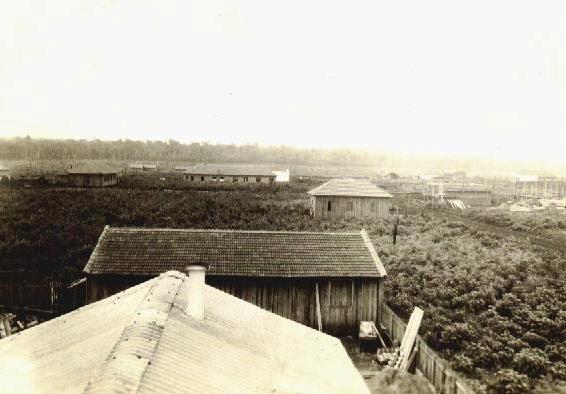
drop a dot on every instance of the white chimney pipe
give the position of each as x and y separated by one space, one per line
195 305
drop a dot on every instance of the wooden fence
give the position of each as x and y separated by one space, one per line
46 296
432 366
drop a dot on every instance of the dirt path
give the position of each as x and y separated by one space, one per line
554 246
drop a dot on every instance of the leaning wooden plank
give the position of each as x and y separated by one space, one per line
378 334
411 335
318 316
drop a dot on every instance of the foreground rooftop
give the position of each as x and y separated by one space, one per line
142 340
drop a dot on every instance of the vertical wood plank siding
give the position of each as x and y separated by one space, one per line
344 302
339 206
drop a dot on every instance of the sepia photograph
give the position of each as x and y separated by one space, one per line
282 197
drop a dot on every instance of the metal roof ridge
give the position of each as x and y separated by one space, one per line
373 252
94 253
127 350
204 230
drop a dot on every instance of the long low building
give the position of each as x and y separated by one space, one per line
173 334
469 193
229 174
335 279
344 198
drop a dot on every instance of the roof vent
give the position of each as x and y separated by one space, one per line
195 304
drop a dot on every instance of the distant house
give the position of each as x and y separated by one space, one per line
230 174
139 167
92 175
349 198
293 274
282 176
472 194
174 334
391 176
5 173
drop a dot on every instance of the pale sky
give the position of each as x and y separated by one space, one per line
478 77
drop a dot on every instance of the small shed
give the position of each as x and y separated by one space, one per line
230 174
340 198
5 173
332 278
92 175
148 339
391 176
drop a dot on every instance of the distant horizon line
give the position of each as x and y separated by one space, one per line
556 166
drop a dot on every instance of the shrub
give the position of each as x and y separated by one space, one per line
507 381
531 362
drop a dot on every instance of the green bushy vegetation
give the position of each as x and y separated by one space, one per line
495 307
522 221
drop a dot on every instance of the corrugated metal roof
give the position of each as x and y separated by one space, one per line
350 188
142 251
230 170
141 340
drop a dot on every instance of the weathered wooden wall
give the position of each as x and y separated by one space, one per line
362 206
344 302
92 180
480 198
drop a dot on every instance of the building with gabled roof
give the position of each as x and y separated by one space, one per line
277 270
93 174
174 334
340 198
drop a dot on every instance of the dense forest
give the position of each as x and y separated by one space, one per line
30 149
495 306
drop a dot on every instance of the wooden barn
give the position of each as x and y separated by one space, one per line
230 174
339 198
471 194
331 279
93 175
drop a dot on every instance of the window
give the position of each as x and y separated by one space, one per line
245 179
258 179
349 206
221 179
214 178
329 206
202 179
235 179
373 207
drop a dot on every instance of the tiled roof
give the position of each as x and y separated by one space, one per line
93 168
141 340
230 170
140 251
350 188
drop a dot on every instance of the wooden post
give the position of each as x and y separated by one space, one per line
318 316
6 322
